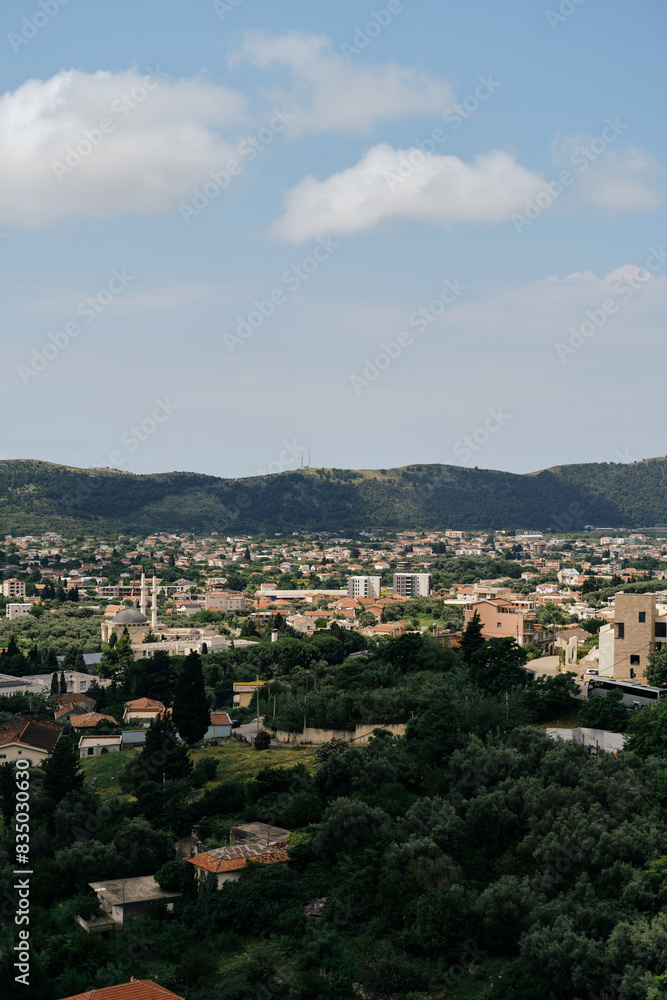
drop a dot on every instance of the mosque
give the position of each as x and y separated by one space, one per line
171 640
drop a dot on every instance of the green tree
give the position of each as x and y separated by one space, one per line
61 769
162 755
498 666
606 712
647 731
55 686
656 670
63 683
472 640
191 711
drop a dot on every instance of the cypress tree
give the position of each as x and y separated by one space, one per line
63 683
55 686
472 640
191 712
62 770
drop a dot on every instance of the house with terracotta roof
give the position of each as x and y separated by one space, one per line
136 989
28 738
227 863
63 714
391 630
142 711
82 701
90 720
220 727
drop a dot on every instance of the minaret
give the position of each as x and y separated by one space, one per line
142 605
154 605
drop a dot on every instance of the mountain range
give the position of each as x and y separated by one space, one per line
39 496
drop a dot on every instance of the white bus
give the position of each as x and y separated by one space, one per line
635 695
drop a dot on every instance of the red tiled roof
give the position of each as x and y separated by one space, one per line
229 859
38 733
73 699
74 709
140 989
144 705
90 719
220 719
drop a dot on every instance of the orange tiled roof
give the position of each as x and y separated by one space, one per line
230 859
220 719
140 989
144 705
90 720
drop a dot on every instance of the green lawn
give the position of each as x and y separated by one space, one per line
235 760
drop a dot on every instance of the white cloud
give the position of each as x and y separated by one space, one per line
407 184
163 137
608 177
329 93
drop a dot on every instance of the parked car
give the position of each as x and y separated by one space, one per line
592 670
235 723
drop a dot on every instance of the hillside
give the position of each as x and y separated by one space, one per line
37 496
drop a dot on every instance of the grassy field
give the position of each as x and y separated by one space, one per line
235 760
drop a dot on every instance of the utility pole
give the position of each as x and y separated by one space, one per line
258 708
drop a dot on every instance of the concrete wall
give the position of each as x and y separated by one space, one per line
601 738
359 736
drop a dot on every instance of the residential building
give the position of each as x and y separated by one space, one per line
227 863
220 727
136 989
224 600
363 586
28 738
17 611
243 691
638 629
94 746
257 833
123 898
412 584
503 619
90 720
142 711
13 588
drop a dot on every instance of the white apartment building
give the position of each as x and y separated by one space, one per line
13 588
17 611
412 584
363 586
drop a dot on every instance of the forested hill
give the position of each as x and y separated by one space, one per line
38 496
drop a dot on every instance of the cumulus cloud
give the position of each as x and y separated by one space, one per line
407 184
329 93
160 138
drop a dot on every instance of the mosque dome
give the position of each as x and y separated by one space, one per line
128 616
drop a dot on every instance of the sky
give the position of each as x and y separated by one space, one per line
236 234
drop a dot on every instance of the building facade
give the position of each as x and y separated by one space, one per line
363 586
412 584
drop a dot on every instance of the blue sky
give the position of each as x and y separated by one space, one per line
392 233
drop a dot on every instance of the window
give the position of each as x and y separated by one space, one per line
621 630
91 751
661 630
499 624
634 660
642 616
3 756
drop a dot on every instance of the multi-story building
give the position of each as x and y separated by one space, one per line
363 586
502 619
224 600
17 611
13 588
638 629
412 584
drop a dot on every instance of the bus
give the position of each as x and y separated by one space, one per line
635 695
